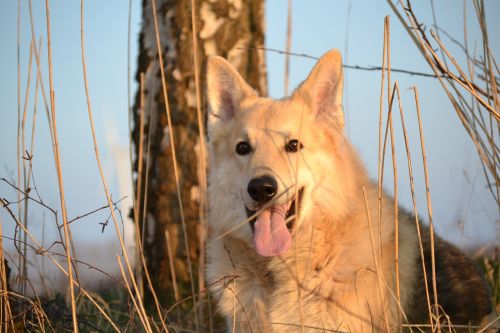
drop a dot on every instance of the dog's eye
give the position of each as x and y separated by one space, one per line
243 148
293 146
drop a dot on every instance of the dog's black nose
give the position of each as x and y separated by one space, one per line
262 189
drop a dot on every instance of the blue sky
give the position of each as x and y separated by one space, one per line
457 185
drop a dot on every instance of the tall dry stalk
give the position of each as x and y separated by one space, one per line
37 53
139 305
474 97
141 264
57 157
6 318
391 94
346 104
386 70
174 160
380 276
29 157
138 190
288 44
22 134
431 222
18 148
415 213
202 168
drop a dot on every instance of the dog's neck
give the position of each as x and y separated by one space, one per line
328 240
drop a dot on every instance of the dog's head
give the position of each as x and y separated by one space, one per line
273 161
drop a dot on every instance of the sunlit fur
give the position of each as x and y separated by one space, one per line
328 278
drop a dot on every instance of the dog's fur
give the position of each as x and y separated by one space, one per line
327 277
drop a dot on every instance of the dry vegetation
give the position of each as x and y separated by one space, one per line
473 93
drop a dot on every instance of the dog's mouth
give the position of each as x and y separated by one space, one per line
272 226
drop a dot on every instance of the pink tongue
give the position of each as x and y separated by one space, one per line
272 237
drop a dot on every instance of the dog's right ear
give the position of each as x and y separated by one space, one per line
225 89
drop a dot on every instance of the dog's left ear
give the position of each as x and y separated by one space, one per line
322 89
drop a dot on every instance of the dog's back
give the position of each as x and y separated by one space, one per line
462 292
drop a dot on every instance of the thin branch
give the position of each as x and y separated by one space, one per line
356 67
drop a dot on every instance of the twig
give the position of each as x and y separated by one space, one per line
28 196
41 251
58 266
95 210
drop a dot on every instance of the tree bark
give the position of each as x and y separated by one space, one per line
233 29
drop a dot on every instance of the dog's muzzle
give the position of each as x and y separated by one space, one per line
294 207
272 221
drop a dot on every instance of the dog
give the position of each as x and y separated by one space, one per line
295 241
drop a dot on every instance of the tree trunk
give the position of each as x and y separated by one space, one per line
233 29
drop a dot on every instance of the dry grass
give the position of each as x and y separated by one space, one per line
123 308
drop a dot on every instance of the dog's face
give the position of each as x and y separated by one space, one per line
270 159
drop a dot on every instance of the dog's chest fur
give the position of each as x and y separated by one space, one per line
321 283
